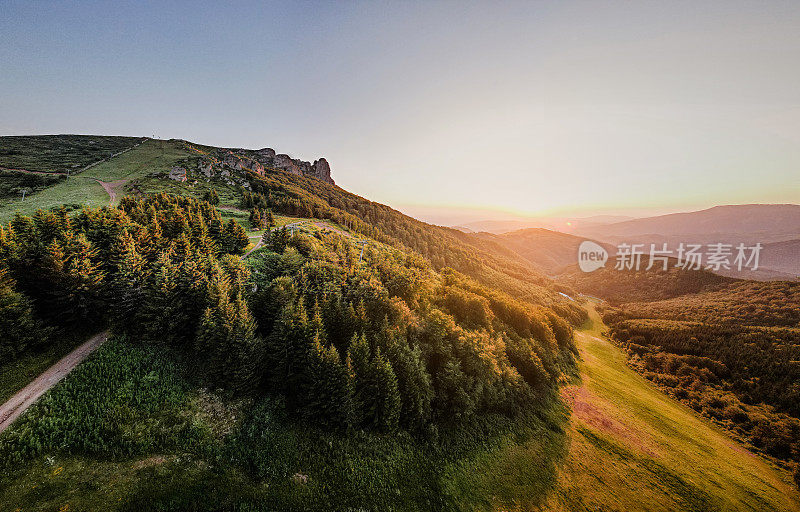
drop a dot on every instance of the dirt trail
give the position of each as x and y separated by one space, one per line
111 188
20 402
257 246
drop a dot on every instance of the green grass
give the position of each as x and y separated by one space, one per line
59 153
632 447
151 156
75 192
626 446
83 191
109 438
19 373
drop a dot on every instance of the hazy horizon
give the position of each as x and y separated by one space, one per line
560 109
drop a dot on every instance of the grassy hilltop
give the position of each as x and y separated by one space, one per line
359 359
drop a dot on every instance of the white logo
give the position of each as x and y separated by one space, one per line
591 256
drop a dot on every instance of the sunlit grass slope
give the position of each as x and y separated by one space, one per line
83 189
633 448
628 447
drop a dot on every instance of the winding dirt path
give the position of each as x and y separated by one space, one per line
111 188
20 402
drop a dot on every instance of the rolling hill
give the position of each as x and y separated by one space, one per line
774 226
550 251
355 358
749 222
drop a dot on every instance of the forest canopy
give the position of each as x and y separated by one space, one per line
380 340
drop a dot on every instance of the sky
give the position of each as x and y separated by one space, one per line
449 111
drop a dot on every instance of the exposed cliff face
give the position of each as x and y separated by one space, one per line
219 163
320 169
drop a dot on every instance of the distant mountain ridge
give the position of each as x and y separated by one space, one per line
775 226
770 220
551 223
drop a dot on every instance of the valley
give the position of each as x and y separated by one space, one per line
277 342
613 441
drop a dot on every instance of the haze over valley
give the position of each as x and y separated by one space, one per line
400 256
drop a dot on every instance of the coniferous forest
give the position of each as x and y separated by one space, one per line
399 256
277 343
376 341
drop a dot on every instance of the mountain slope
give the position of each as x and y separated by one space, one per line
184 168
664 457
782 257
548 250
750 222
368 373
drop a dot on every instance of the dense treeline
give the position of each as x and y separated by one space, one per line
134 265
308 197
378 341
391 342
774 303
746 377
13 182
618 286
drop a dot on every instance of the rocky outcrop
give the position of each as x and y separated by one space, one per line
266 153
320 169
177 174
221 162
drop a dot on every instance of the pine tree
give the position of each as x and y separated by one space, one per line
211 196
289 349
26 237
234 238
266 237
278 239
127 285
386 409
162 311
227 343
74 280
414 383
329 401
376 397
363 389
255 218
19 329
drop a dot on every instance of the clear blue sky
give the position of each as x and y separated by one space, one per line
534 107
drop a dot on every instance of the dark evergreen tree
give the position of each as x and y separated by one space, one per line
19 329
278 239
234 238
256 221
126 289
211 196
329 401
376 397
227 344
269 219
